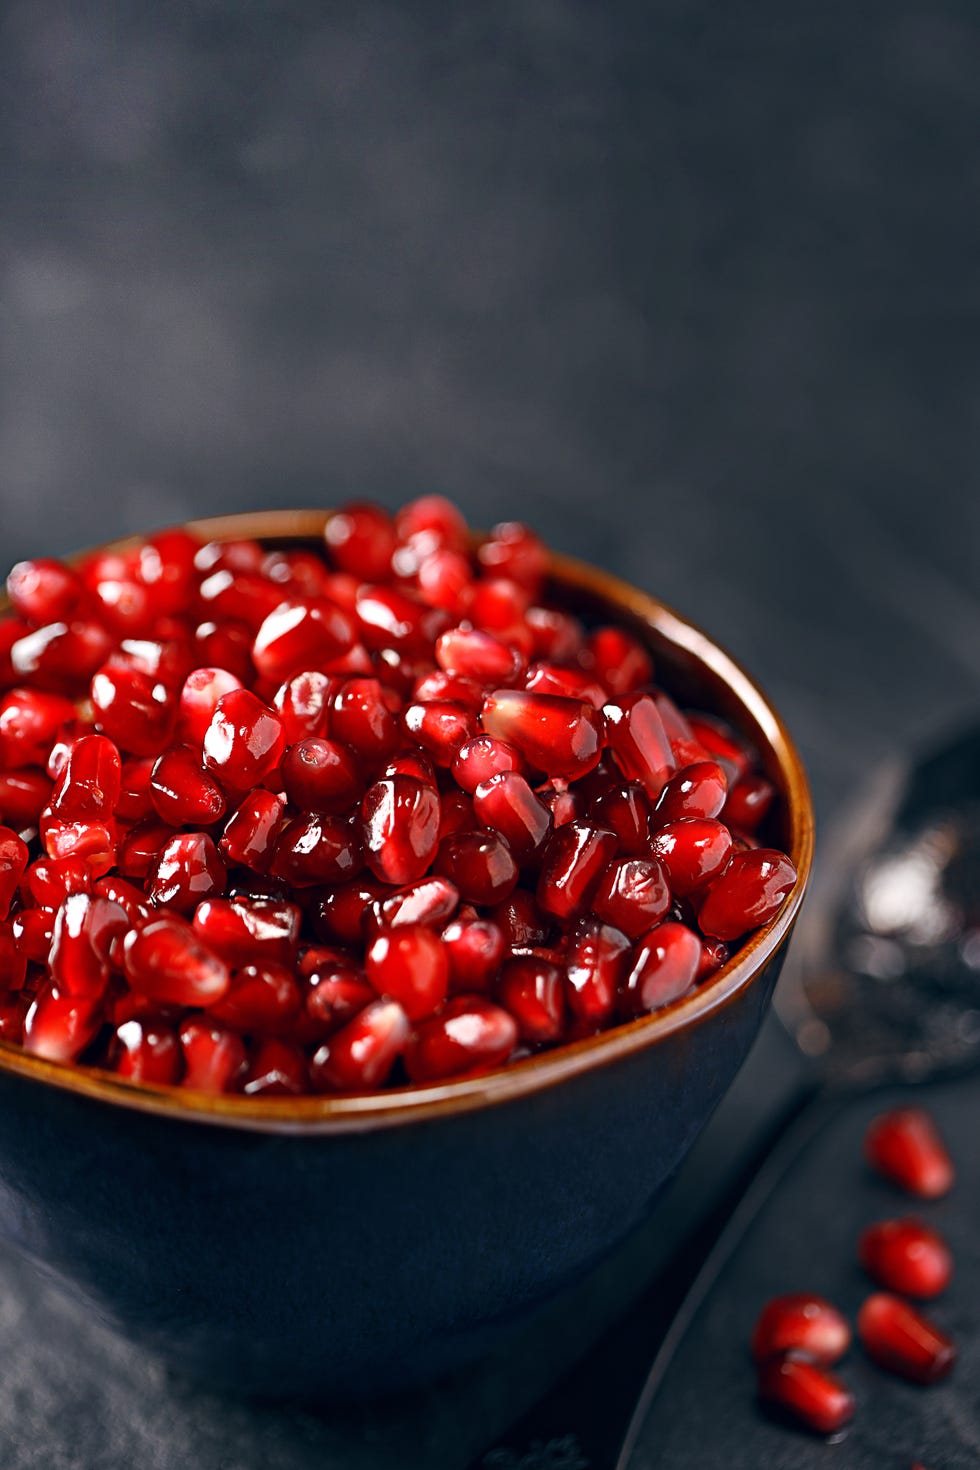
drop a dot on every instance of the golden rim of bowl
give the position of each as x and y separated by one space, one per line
402 1105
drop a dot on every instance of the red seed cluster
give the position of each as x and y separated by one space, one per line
280 821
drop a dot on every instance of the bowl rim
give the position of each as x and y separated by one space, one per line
326 1114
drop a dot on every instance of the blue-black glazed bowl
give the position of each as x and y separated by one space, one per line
348 1246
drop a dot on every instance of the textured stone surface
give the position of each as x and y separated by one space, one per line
695 291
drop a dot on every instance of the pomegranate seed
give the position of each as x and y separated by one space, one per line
409 965
803 1323
44 591
88 839
434 520
342 910
663 969
59 1027
77 967
900 1339
714 954
135 803
361 1055
214 1056
477 655
719 740
146 1051
475 949
303 704
479 864
361 540
182 793
482 757
33 932
512 550
906 1147
321 776
390 619
22 796
244 740
166 960
456 814
442 727
261 998
186 871
638 741
556 635
561 737
130 899
136 713
596 964
336 994
232 556
696 791
507 804
415 764
437 687
624 810
431 901
29 721
226 645
199 699
13 1010
361 718
166 568
316 850
469 1035
531 990
277 1069
748 802
632 896
573 863
13 864
748 893
250 837
298 636
138 852
445 579
692 850
249 931
806 1393
620 662
90 781
521 921
240 597
906 1256
400 829
544 678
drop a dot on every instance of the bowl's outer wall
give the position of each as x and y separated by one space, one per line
347 1263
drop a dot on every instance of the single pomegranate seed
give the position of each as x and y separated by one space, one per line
59 1027
531 990
620 662
513 550
182 793
61 658
33 933
250 837
507 804
138 852
340 917
134 711
186 871
545 678
719 740
806 1393
476 655
249 931
300 635
748 893
573 863
662 969
89 839
456 814
906 1146
361 1055
166 960
77 962
475 949
361 718
431 901
561 737
214 1056
696 791
897 1337
316 850
22 796
336 994
714 954
303 704
442 727
147 1051
130 899
433 520
693 851
748 802
481 758
361 540
321 776
556 635
803 1323
166 569
135 802
262 998
521 921
49 881
409 965
624 810
44 591
596 965
638 741
445 579
632 896
480 864
906 1256
276 1068
387 618
225 645
90 782
469 1035
244 740
437 687
240 597
29 722
199 699
14 855
412 763
400 829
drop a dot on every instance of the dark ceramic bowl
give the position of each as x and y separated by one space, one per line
353 1245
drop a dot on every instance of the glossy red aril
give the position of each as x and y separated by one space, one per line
445 579
44 590
59 1027
32 931
506 804
905 1145
662 968
477 655
300 635
431 901
410 965
900 1339
531 989
50 880
166 960
632 896
719 740
182 792
442 727
339 917
335 994
571 868
250 836
214 1055
90 782
561 737
595 967
469 1035
78 965
14 856
482 757
806 1393
92 840
360 1056
692 851
400 828
475 949
187 870
387 618
360 540
433 520
801 1322
545 678
521 920
480 864
748 893
698 790
303 704
748 802
147 1051
135 711
137 852
249 931
244 740
22 796
906 1256
361 718
619 661
316 850
321 776
276 1068
624 810
638 741
436 687
29 722
199 699
261 998
414 763
513 550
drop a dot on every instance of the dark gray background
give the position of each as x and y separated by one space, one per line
693 288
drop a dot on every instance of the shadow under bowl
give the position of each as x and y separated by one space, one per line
352 1246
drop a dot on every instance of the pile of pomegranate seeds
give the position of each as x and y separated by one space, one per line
797 1338
281 821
